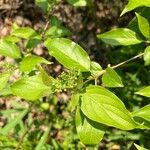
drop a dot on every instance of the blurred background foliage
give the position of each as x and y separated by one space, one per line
54 113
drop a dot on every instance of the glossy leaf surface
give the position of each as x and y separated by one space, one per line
132 4
89 132
68 53
120 36
30 88
111 78
103 106
144 26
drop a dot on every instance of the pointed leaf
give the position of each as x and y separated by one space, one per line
95 68
139 147
4 77
143 113
25 32
74 101
9 49
30 88
144 92
57 31
102 106
111 78
132 4
29 62
43 4
43 139
79 3
47 79
147 55
68 53
7 128
89 132
120 36
143 26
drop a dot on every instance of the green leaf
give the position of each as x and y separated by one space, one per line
29 62
47 79
32 43
4 77
120 36
144 92
74 101
95 68
79 3
7 128
102 106
143 113
30 88
9 49
11 38
25 32
147 55
57 31
68 53
111 78
144 26
134 4
43 4
89 132
139 147
43 139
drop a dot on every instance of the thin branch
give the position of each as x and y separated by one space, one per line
114 67
120 64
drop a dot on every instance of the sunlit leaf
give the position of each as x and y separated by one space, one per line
147 55
143 112
4 77
132 4
111 78
120 36
30 88
139 147
102 106
9 49
29 62
143 26
68 53
144 92
89 132
25 32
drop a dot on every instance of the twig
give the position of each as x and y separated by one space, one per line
114 67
